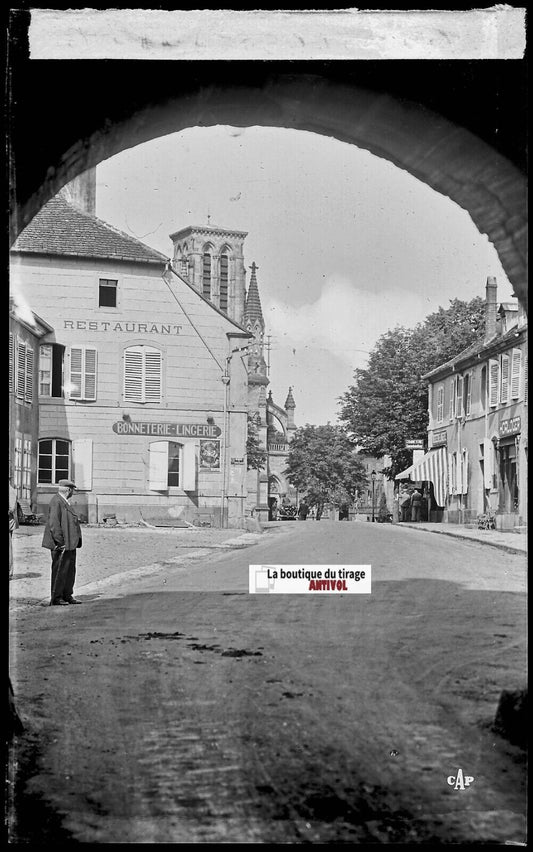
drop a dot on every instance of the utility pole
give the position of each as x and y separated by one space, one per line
268 347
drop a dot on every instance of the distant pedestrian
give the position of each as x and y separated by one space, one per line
416 504
405 505
303 511
62 536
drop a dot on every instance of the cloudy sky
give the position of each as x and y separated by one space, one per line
347 245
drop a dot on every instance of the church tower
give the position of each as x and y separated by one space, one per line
211 259
254 322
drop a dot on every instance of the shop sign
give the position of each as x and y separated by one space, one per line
167 430
511 426
210 455
415 444
125 327
439 439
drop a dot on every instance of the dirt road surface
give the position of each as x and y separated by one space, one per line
178 708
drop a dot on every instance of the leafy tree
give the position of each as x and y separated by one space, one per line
322 462
387 404
256 454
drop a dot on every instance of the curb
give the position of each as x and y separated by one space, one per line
507 548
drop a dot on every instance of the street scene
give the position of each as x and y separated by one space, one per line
268 433
175 707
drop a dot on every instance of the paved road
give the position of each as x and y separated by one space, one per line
182 709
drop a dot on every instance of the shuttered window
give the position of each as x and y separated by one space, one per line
516 372
440 403
22 370
453 385
459 397
494 378
504 387
11 363
467 393
28 389
172 465
142 374
83 372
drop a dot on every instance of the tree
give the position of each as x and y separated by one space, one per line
322 462
387 404
255 453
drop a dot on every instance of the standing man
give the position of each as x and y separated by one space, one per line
416 505
405 504
62 536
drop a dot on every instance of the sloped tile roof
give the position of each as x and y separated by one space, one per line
479 347
61 228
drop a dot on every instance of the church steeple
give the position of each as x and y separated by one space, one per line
253 313
254 322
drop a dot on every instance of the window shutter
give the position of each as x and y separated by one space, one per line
28 390
11 363
89 390
488 459
494 375
504 389
458 473
133 375
464 472
468 400
152 377
440 404
452 473
459 397
82 463
189 467
516 370
159 466
452 398
76 372
21 369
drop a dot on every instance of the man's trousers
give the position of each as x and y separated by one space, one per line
63 574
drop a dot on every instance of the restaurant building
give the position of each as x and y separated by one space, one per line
140 377
477 433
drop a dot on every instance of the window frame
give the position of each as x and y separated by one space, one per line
107 280
57 370
53 467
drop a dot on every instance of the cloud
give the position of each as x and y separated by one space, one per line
344 321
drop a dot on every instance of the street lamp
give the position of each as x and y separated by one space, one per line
373 478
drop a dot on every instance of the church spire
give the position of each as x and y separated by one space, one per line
253 311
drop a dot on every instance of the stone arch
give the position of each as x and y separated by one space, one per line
444 154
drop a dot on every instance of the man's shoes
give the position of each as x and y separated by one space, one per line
73 601
59 602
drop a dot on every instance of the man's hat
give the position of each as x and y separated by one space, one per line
66 483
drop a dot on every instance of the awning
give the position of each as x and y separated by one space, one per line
433 467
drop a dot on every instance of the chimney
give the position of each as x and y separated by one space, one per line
82 191
491 308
